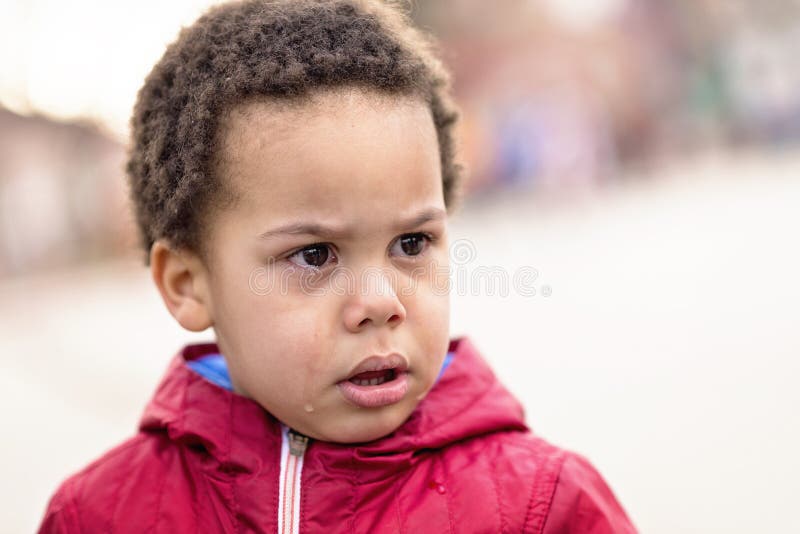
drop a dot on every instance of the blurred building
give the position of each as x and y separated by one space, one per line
553 100
62 194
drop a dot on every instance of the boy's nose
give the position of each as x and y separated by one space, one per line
375 301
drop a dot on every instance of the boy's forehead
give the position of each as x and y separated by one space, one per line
294 149
299 142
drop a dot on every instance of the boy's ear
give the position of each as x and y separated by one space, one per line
182 280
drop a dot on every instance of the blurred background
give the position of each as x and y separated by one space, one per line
642 156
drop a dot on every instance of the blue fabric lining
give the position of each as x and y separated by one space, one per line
447 360
213 368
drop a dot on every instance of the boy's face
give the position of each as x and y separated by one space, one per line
335 253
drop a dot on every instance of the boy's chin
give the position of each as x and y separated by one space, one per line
366 427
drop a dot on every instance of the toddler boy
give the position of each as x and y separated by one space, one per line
292 168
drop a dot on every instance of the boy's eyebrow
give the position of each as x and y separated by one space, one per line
313 228
303 228
425 215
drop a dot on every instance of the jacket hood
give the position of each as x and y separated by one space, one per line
467 401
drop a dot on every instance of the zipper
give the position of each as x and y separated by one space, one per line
293 448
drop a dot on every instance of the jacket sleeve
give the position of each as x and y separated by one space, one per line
583 503
61 514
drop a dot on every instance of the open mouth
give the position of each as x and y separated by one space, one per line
377 381
374 378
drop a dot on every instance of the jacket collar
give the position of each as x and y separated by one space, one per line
467 401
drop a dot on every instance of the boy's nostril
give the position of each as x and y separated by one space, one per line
394 318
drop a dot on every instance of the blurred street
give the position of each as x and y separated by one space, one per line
667 351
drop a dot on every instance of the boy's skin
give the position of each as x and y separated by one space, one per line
360 161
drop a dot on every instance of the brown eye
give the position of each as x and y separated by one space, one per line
312 256
315 256
412 244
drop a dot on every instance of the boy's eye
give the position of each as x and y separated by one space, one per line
311 256
410 244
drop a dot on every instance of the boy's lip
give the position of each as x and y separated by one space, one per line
386 393
377 396
395 361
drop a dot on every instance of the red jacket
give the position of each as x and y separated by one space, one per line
208 460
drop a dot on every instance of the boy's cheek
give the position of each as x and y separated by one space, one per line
429 317
432 279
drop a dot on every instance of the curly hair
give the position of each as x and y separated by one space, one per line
282 49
